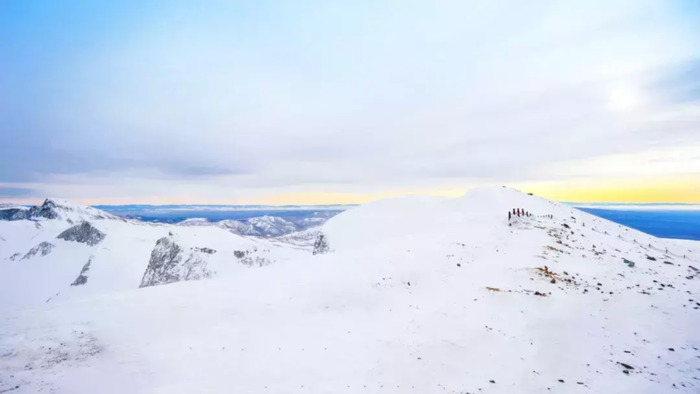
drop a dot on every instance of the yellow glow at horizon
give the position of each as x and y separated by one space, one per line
682 189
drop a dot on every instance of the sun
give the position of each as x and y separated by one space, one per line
623 99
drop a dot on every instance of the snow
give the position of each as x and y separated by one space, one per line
261 226
418 294
195 222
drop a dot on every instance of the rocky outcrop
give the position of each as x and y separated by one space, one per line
42 249
47 210
53 209
171 263
13 213
82 277
247 257
321 244
84 233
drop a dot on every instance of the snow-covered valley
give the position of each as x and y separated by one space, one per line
413 294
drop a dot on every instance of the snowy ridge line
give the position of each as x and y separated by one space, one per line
414 294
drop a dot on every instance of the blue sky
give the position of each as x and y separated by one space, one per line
172 101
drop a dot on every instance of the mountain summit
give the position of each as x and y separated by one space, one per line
53 209
494 291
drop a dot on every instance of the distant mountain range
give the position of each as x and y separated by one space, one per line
263 226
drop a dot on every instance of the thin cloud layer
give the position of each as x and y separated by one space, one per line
238 101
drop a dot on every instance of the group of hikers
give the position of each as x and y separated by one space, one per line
519 212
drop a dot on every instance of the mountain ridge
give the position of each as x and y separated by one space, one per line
410 294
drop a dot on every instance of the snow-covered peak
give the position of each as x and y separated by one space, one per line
260 226
480 213
54 208
195 222
272 225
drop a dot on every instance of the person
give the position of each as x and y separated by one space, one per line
509 216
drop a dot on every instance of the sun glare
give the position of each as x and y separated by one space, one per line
623 99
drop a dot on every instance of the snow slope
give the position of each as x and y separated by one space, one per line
41 259
418 294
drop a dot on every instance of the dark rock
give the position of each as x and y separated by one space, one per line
82 277
84 233
13 214
169 263
47 210
321 244
254 261
43 248
206 250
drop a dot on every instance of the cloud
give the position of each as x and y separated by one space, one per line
261 98
15 192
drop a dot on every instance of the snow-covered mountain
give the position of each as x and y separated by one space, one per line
63 250
53 209
412 294
260 226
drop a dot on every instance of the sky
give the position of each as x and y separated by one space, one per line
312 102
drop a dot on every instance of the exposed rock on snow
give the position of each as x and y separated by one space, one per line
54 209
84 233
246 257
171 263
18 212
82 277
321 244
43 249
